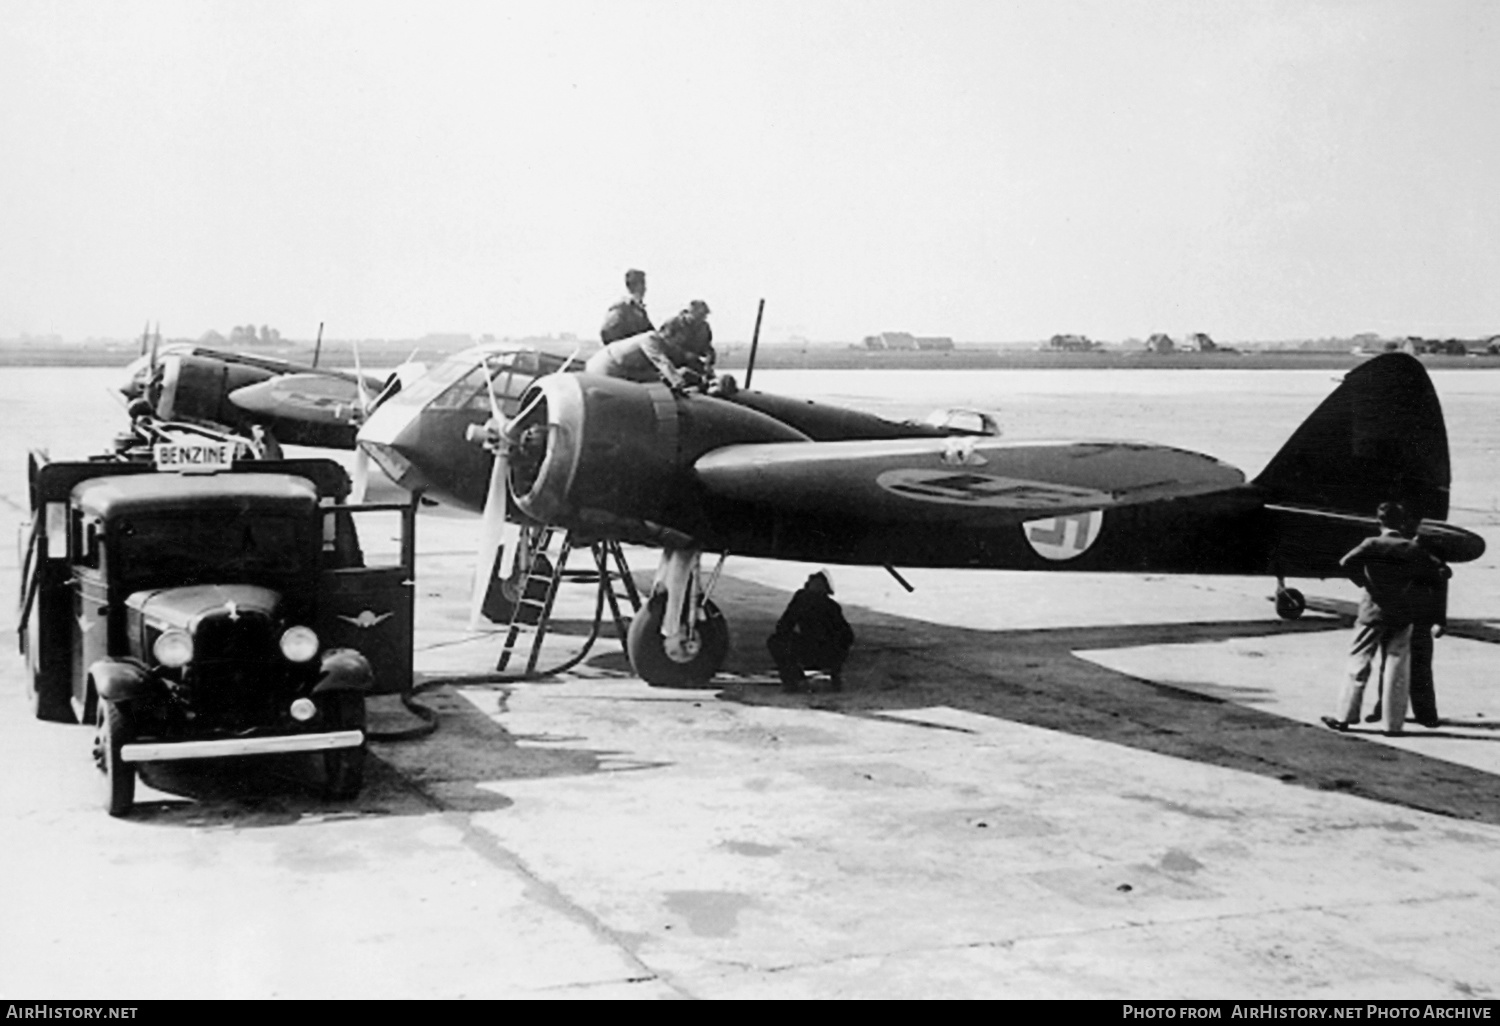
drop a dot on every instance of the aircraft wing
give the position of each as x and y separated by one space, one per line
313 397
957 479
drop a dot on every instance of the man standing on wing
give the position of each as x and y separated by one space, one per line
627 317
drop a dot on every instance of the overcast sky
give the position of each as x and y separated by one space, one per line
984 169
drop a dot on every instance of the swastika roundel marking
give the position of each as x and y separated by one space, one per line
966 487
1066 537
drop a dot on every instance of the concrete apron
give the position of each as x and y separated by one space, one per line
986 814
981 813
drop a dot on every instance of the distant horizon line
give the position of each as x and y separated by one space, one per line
463 339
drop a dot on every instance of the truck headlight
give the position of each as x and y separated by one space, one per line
174 648
299 644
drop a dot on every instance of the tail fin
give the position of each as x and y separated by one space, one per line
1379 436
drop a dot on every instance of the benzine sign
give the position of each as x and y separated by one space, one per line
193 457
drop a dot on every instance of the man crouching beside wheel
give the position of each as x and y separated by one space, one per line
811 635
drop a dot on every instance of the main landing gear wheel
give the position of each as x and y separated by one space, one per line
703 656
1290 603
344 768
116 730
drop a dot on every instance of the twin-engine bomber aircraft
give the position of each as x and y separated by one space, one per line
754 474
277 402
299 404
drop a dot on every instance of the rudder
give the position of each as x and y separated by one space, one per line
1379 436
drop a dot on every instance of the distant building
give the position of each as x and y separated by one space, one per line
905 340
1070 343
1416 345
1160 343
935 343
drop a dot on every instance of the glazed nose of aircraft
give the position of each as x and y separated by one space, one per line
392 437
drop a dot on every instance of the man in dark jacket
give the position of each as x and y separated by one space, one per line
679 353
690 333
811 635
1386 567
627 317
1429 621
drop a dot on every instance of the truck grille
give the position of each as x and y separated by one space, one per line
247 636
236 678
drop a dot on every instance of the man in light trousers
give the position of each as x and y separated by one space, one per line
1385 567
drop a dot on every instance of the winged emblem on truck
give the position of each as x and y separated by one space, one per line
366 619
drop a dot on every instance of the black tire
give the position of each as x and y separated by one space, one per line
48 701
116 730
1290 604
343 768
652 664
48 706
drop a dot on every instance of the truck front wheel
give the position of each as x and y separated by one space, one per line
116 730
344 768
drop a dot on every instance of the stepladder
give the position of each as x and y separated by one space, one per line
544 573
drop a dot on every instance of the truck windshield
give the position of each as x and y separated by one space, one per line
209 549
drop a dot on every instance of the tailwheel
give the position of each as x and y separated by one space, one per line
343 768
1290 603
116 730
684 661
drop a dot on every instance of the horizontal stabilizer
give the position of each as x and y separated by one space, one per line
1310 542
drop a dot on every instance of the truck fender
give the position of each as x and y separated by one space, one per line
120 680
344 669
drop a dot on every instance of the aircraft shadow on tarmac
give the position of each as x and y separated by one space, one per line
1023 676
1033 677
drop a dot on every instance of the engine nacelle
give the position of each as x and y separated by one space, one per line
604 454
196 388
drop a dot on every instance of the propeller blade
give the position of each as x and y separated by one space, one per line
494 522
359 380
492 531
361 475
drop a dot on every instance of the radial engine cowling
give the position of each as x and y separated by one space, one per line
195 388
615 456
